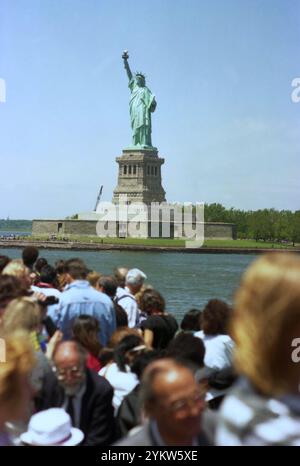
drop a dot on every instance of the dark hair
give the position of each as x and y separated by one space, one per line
191 320
30 255
187 347
151 300
76 268
215 317
109 285
143 360
60 267
48 274
4 260
10 288
126 344
121 316
40 263
106 356
86 332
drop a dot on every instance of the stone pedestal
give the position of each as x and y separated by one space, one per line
139 176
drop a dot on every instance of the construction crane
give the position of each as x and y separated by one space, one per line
98 198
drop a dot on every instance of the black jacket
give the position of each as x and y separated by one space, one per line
97 415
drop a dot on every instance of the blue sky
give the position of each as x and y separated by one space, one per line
221 72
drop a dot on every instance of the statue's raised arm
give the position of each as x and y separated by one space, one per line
125 57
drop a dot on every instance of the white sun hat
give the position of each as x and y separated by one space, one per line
52 428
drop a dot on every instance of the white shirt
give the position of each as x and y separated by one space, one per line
218 350
122 382
129 305
218 356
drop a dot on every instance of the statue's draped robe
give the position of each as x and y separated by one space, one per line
141 104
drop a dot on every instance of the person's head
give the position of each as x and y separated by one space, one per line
60 267
144 289
120 276
40 263
61 274
172 397
75 269
191 321
107 354
108 285
15 389
4 260
69 360
86 332
48 275
140 79
119 334
134 280
93 278
266 320
152 302
10 288
127 349
29 256
142 360
215 317
22 314
187 347
16 268
121 316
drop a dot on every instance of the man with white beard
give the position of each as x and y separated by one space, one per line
85 396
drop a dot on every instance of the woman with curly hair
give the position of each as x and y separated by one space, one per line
159 327
214 321
218 344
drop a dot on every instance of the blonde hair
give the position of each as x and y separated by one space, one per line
19 361
266 315
21 314
16 268
93 278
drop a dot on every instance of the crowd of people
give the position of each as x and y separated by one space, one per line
98 360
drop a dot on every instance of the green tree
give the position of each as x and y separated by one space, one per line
215 213
294 227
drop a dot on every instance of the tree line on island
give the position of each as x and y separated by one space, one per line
262 224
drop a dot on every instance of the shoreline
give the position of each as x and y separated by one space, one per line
76 246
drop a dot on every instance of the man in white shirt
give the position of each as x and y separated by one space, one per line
125 297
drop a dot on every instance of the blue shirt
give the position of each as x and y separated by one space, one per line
81 298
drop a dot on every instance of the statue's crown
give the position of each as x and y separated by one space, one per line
138 73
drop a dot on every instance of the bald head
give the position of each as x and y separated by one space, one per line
172 397
160 375
120 275
69 361
67 351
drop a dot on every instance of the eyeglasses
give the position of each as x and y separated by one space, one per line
182 405
61 374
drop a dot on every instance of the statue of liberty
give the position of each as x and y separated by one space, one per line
142 104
